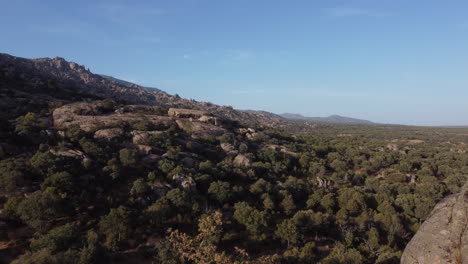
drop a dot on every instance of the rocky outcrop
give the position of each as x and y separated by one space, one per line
66 152
109 133
281 149
143 149
200 129
143 137
184 182
443 237
242 161
186 113
88 118
209 119
229 149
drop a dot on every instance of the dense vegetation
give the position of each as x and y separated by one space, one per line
335 194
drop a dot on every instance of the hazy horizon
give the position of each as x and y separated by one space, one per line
388 62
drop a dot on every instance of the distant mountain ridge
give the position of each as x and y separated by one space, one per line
330 119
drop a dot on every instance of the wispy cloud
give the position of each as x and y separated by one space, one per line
353 12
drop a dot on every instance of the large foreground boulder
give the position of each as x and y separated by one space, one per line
443 237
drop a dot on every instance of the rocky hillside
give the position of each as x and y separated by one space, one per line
28 83
98 181
443 238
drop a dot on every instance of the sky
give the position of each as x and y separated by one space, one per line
388 61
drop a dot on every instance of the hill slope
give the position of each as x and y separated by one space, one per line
26 83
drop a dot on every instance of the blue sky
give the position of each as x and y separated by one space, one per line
390 61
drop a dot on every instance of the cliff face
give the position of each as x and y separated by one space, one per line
443 237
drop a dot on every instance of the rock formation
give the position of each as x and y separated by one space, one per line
43 82
186 113
242 161
443 237
77 114
109 133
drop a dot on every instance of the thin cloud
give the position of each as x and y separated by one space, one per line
353 12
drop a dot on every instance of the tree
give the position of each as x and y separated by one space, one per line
308 222
314 199
144 125
178 198
415 205
45 163
288 232
342 254
29 125
250 217
456 181
373 239
220 191
288 204
61 181
128 157
12 175
167 254
115 226
261 186
352 200
328 203
74 133
57 239
243 148
45 256
268 203
10 208
159 211
203 247
166 165
139 187
39 208
90 252
92 148
389 219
